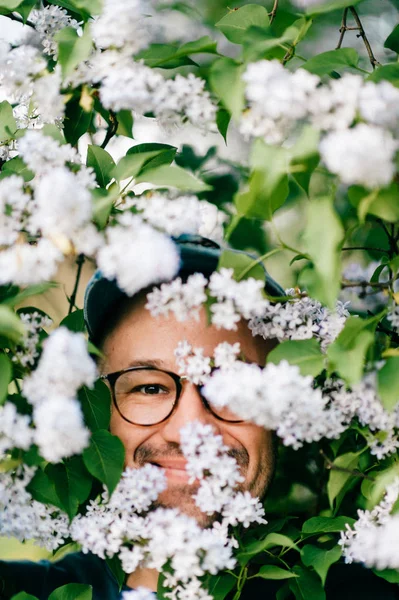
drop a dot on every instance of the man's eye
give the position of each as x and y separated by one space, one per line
152 389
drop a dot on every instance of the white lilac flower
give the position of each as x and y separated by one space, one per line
48 21
18 68
15 429
277 98
334 106
14 204
225 354
133 243
374 537
27 350
192 363
60 431
363 155
61 205
393 317
49 102
140 593
178 215
27 264
121 25
42 153
379 104
23 518
137 489
300 318
182 299
63 368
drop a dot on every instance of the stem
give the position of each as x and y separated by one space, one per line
19 19
354 472
242 577
272 14
343 29
369 249
362 34
365 284
257 261
112 128
79 261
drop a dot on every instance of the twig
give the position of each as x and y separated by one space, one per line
79 261
359 27
343 29
362 34
112 128
365 284
368 248
19 19
273 12
334 467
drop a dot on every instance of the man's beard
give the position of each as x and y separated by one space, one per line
181 495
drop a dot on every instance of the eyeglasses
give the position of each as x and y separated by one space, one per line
148 396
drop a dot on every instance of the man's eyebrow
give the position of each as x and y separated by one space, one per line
146 362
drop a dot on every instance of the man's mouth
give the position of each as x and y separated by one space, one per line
175 469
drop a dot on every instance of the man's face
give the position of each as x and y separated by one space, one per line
140 339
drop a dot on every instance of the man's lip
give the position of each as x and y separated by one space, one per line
177 464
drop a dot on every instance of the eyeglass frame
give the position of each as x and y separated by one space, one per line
112 378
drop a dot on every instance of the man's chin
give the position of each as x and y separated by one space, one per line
181 497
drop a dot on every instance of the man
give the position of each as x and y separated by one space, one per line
135 343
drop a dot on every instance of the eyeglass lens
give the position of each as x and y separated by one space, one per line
147 397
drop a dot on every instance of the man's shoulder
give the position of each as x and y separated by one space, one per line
41 578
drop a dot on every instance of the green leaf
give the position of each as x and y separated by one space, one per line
72 591
338 479
307 586
102 163
24 596
163 56
16 166
11 326
392 41
386 72
241 263
8 125
52 131
72 483
172 176
205 45
261 43
305 157
273 572
333 60
125 123
381 203
324 7
9 5
225 78
237 21
74 321
25 8
347 353
320 559
220 585
96 405
306 354
391 575
326 525
103 202
323 237
268 184
104 458
222 122
388 383
115 566
5 376
140 156
76 122
42 488
272 540
72 48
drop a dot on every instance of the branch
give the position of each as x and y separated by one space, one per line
273 12
369 249
343 29
365 284
112 128
19 19
79 261
359 27
355 472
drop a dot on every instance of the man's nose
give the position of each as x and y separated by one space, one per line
190 408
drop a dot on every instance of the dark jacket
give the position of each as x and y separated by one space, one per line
40 579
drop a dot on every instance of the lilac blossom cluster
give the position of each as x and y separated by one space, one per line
374 537
280 102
